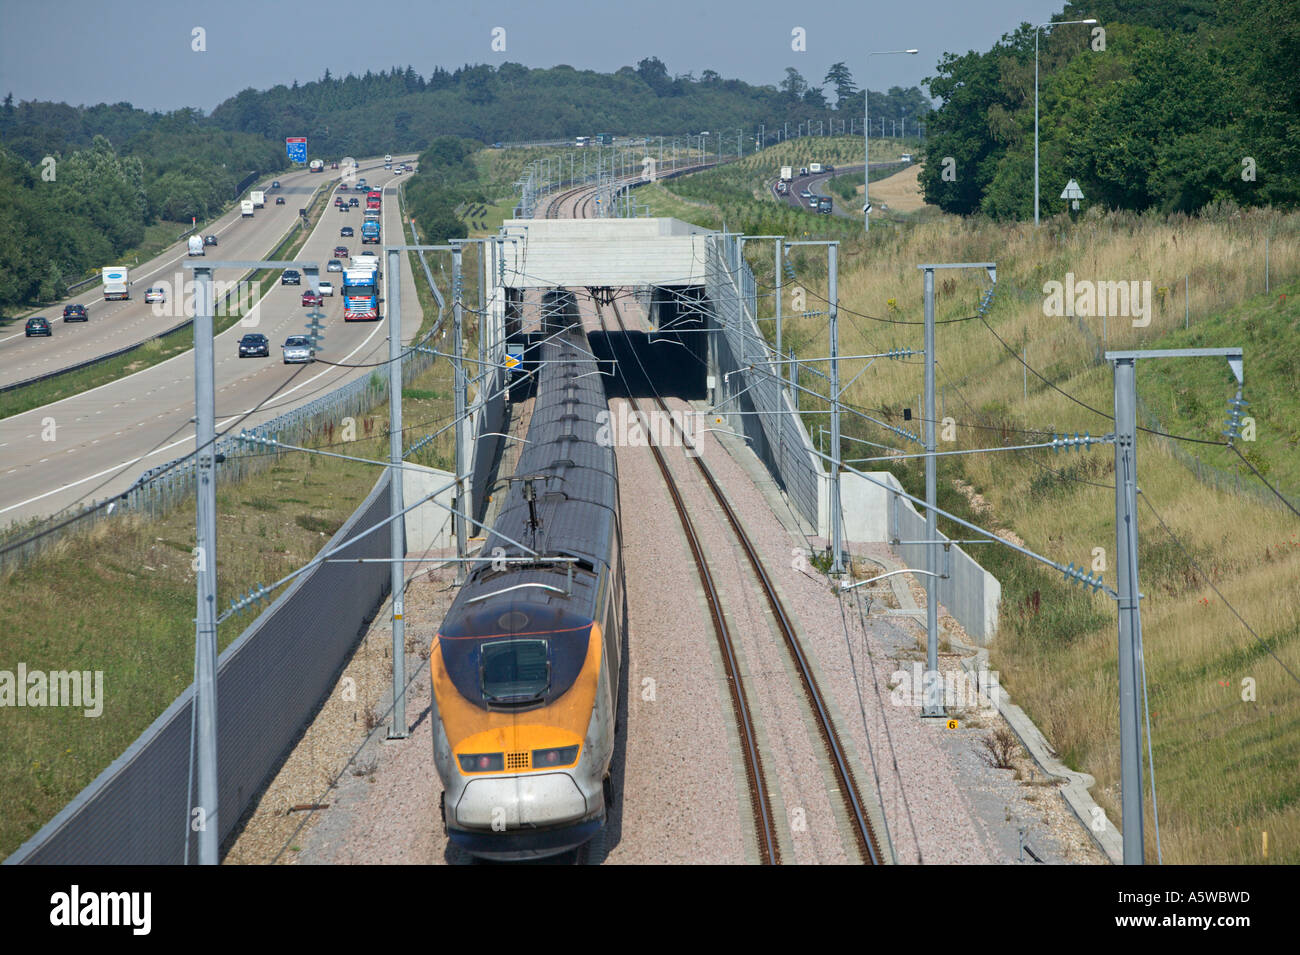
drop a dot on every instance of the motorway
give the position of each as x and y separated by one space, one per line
118 324
814 182
96 444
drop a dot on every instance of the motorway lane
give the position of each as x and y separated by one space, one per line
813 184
117 324
104 438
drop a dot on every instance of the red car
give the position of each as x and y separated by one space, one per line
310 298
340 252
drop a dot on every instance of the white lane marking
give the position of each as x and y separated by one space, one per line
117 467
189 353
219 425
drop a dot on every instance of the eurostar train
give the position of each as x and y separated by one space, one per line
525 668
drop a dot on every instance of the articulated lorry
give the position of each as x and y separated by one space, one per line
258 197
117 284
370 233
316 165
361 294
787 173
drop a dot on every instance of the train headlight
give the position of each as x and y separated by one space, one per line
558 756
482 762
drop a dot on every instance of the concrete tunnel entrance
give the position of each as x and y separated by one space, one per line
671 361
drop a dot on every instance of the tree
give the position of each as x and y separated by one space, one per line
655 75
840 79
793 86
815 98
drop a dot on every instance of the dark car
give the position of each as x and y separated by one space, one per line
290 277
39 326
253 345
346 232
275 184
209 240
75 313
279 200
310 298
354 202
341 252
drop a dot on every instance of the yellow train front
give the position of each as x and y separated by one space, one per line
526 666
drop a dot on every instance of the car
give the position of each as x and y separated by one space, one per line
346 232
209 240
275 183
341 252
155 294
906 157
342 207
310 298
334 266
806 194
290 277
297 348
253 344
334 165
388 158
361 183
498 146
343 187
354 202
397 171
75 313
279 200
39 326
326 289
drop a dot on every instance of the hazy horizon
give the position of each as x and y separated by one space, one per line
67 52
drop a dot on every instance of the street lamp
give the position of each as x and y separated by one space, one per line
1037 31
866 149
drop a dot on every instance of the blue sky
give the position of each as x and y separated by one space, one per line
92 51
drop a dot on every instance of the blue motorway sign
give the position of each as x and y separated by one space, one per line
296 147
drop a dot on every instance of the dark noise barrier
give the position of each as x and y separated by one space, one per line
271 681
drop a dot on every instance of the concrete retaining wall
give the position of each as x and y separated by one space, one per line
873 513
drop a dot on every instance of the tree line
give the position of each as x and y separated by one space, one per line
81 186
1164 105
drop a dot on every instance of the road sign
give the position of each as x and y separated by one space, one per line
1073 192
514 359
296 148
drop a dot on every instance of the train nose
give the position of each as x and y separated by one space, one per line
542 799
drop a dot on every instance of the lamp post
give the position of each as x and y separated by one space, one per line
1037 31
866 149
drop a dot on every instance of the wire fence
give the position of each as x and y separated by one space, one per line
752 391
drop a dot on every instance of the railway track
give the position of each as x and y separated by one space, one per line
764 819
864 836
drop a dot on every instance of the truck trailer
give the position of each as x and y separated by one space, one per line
117 284
195 246
258 197
246 208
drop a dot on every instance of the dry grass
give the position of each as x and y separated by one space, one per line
1225 767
